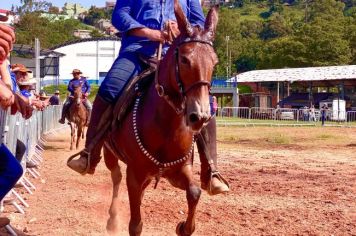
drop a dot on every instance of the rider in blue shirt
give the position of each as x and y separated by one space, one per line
142 24
77 81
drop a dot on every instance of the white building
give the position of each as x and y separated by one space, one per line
93 57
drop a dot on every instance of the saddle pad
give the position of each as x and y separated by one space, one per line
137 85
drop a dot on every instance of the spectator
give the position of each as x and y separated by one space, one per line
312 116
10 168
25 81
324 109
213 105
305 113
55 99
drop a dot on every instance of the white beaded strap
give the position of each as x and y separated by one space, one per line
146 153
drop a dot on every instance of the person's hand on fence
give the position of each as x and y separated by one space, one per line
22 106
7 38
38 104
7 97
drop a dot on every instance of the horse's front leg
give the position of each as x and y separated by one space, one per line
112 164
137 182
79 135
184 180
72 135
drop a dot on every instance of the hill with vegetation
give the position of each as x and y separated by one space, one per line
279 34
252 34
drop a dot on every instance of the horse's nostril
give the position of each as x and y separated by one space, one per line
193 117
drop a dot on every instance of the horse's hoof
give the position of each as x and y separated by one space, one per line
112 227
180 229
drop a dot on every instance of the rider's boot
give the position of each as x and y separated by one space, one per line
89 159
64 112
211 179
89 116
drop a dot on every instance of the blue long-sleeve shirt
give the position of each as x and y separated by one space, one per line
82 82
132 14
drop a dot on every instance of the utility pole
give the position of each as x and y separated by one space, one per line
37 68
227 38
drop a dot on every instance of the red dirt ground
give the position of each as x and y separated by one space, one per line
284 184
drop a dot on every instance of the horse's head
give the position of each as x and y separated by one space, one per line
78 95
189 63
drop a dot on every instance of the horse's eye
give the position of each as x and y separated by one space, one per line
185 60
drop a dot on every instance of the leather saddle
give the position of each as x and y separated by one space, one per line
133 88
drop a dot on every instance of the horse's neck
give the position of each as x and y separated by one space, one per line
161 128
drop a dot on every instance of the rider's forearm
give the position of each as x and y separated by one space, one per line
154 35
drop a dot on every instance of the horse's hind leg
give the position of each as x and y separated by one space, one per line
184 180
112 164
136 185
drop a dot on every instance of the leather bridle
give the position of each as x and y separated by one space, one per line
183 91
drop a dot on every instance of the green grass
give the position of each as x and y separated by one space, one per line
325 136
64 93
279 139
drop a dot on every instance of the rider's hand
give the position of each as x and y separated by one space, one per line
7 38
172 30
21 105
154 35
7 97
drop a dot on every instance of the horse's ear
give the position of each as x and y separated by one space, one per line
211 22
183 23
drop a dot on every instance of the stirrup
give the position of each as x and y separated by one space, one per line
216 174
79 154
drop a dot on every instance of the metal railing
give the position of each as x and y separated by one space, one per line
16 131
14 127
284 116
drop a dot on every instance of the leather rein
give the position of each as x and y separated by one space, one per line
183 91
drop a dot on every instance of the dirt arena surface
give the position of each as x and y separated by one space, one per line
284 181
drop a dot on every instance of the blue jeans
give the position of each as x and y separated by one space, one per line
10 171
125 67
323 119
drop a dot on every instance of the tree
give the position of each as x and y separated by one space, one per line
53 10
274 28
283 52
32 26
325 44
96 14
28 6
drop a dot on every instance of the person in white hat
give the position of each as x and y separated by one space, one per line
25 81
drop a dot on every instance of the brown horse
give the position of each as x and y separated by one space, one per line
77 116
156 138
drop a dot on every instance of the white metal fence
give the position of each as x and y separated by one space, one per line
28 131
283 116
14 129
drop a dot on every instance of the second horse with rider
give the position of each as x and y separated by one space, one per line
77 81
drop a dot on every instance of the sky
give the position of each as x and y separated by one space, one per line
6 4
